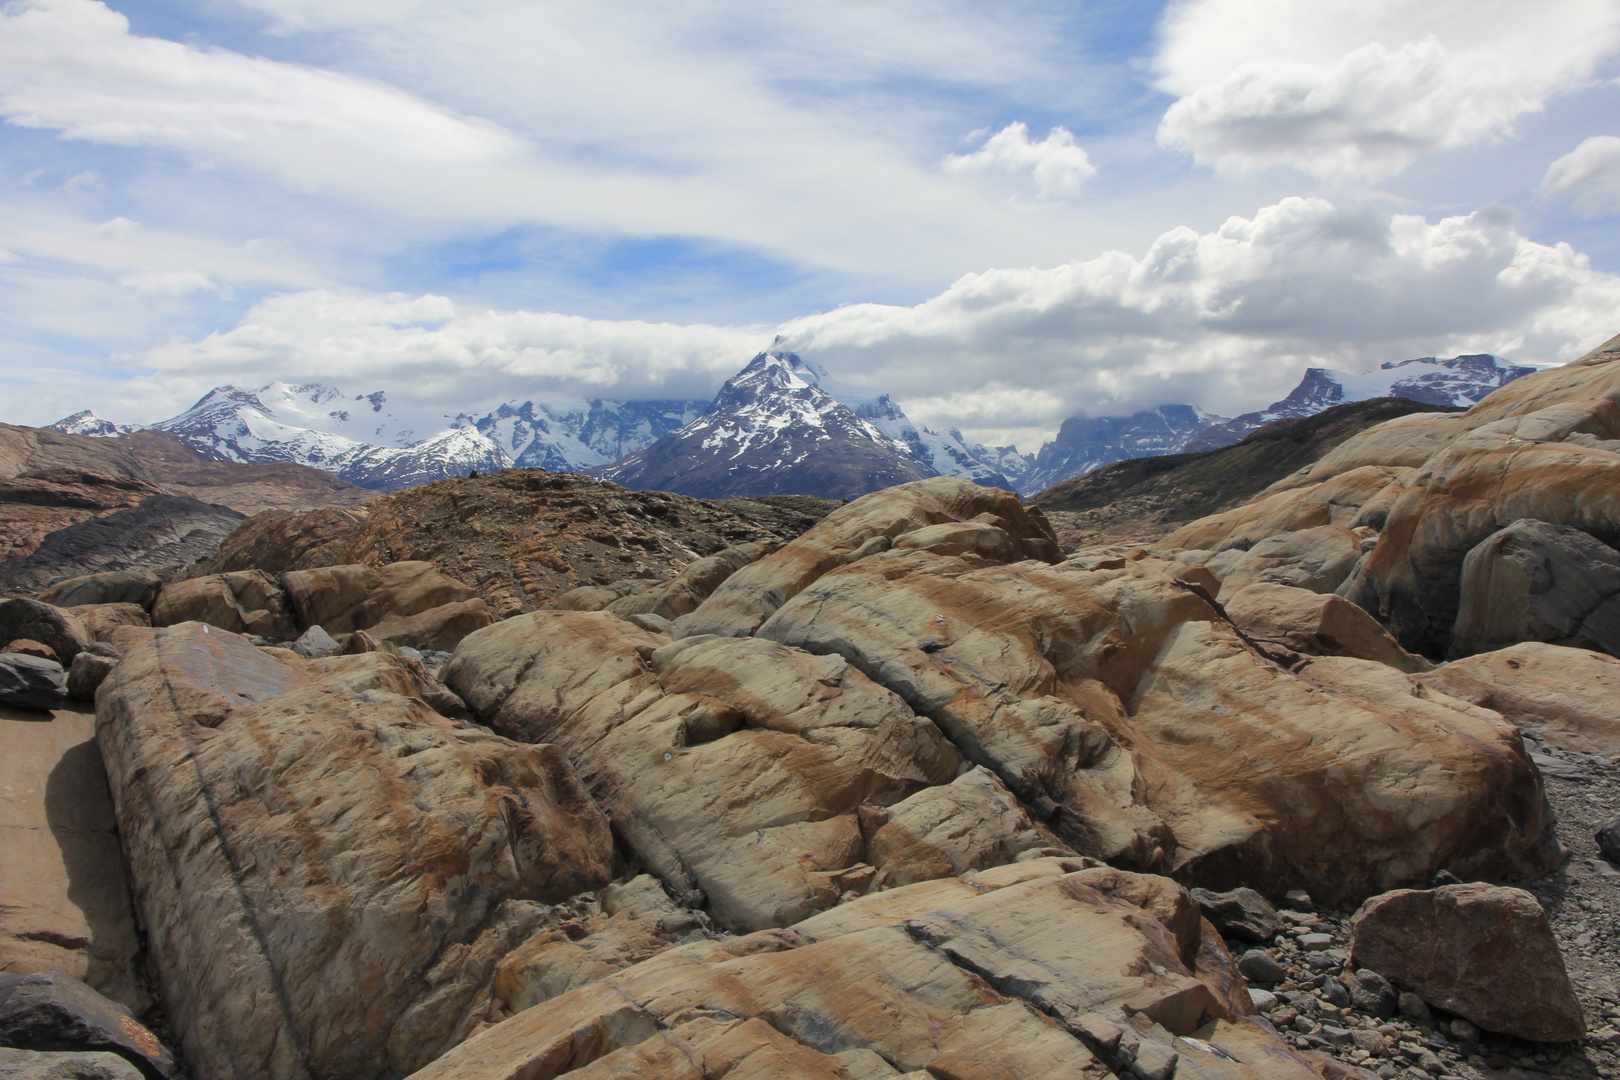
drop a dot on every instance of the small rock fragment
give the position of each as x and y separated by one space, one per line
1608 839
315 643
1240 913
1412 1006
1258 965
1371 993
1298 900
87 672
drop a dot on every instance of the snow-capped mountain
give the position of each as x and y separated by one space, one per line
370 441
88 423
773 430
1457 381
1086 443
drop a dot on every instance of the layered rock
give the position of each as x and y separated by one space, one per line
1071 976
734 769
1567 696
1301 621
356 863
1534 581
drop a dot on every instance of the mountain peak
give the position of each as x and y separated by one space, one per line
86 422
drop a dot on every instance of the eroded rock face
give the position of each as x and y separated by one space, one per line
1481 951
1567 696
1025 976
356 863
21 617
1534 581
734 769
354 597
138 587
872 524
244 602
1120 706
1315 624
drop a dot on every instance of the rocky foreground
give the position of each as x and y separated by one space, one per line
917 793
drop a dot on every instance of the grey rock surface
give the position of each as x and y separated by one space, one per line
1240 913
86 673
64 1065
1536 581
52 1010
21 617
29 682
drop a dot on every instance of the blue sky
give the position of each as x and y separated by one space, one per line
1003 214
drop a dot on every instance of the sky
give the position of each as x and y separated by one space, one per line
1004 214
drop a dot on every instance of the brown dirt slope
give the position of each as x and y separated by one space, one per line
249 488
521 536
1142 499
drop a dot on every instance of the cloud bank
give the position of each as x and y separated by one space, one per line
1353 91
1057 165
1589 176
1227 319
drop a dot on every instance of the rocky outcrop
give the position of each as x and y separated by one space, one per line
734 770
1566 696
1301 621
1029 975
138 587
974 516
54 628
100 620
522 536
66 905
1483 952
246 602
356 863
408 603
1534 581
31 682
65 1065
161 531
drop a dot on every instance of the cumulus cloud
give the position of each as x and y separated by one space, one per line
1589 176
1227 319
1348 90
1057 164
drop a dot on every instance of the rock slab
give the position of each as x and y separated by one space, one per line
51 1010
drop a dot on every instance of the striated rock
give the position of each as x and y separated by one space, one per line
244 602
863 528
161 531
30 682
357 862
277 541
971 823
1316 624
1483 952
1567 696
51 1010
690 587
64 1065
1240 913
100 620
1317 560
1534 581
59 631
733 769
138 587
1142 729
66 903
1010 981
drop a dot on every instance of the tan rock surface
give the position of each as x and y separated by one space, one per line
1568 696
244 602
1483 952
1315 624
870 525
65 904
100 620
355 863
1319 559
1120 706
993 985
689 588
733 769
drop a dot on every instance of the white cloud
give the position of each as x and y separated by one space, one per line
1589 176
1352 90
1057 164
1227 319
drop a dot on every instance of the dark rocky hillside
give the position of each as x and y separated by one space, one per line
1143 498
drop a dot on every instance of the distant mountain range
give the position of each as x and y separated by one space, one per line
780 425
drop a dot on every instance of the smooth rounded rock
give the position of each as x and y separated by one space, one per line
29 682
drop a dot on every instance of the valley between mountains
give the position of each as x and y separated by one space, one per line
786 739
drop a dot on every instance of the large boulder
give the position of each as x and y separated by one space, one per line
1535 581
1316 624
51 1010
31 682
1316 559
1483 952
356 863
1117 703
733 769
21 617
1566 696
100 620
243 602
66 900
407 603
866 526
138 587
1040 976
